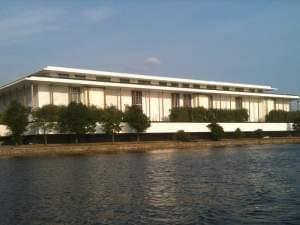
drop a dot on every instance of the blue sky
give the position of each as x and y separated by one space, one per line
240 41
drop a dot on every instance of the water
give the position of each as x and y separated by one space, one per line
244 185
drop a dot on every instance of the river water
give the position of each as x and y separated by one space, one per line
238 185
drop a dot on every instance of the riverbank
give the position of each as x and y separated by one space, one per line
71 149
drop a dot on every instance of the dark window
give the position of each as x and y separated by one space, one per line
137 98
185 85
211 87
144 82
162 83
187 100
175 100
226 88
252 90
75 95
239 89
196 86
238 102
125 81
210 102
63 75
80 76
174 84
103 79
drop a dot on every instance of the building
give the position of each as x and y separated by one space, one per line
155 94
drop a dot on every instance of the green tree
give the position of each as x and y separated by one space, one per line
16 118
136 119
111 121
46 118
78 119
216 131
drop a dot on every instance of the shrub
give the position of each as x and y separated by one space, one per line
216 131
280 116
180 135
238 134
259 133
200 114
296 125
136 119
181 114
16 118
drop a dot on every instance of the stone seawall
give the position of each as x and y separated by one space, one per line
69 149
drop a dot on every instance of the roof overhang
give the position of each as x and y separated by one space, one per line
157 88
151 77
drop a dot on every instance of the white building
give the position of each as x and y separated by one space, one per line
156 94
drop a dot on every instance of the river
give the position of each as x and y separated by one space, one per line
238 185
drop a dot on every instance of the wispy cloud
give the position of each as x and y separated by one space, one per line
97 14
152 61
18 25
26 24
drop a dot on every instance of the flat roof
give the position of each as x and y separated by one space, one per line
152 77
34 77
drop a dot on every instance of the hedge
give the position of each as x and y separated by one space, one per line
280 116
200 114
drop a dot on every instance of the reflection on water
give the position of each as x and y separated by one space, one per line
245 185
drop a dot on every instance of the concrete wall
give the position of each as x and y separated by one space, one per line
168 127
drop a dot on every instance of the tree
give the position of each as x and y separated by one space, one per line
46 118
216 131
78 119
136 119
16 118
111 121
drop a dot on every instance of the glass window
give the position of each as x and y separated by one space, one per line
80 76
125 81
187 100
103 79
185 85
174 84
175 100
144 82
137 98
75 95
161 83
238 102
196 86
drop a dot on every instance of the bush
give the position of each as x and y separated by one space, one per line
200 114
181 114
280 116
296 125
182 136
238 134
216 131
259 133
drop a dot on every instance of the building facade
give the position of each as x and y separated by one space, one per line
156 95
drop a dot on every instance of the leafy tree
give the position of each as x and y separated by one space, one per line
78 119
46 118
136 119
111 121
16 117
216 131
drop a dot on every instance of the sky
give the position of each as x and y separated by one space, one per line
236 41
